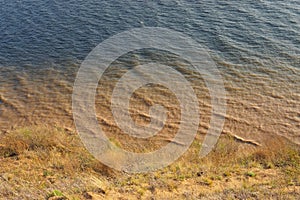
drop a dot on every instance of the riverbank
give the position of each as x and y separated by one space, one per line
51 163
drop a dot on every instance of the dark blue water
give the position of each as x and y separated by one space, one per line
34 32
255 44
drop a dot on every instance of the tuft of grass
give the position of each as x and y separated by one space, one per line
55 193
250 174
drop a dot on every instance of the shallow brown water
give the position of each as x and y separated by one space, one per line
259 105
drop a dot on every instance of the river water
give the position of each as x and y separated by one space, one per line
255 45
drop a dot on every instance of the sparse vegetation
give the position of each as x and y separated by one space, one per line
45 163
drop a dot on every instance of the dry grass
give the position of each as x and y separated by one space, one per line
51 163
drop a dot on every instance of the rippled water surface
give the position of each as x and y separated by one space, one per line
255 44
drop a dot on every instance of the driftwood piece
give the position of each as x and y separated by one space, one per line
240 139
